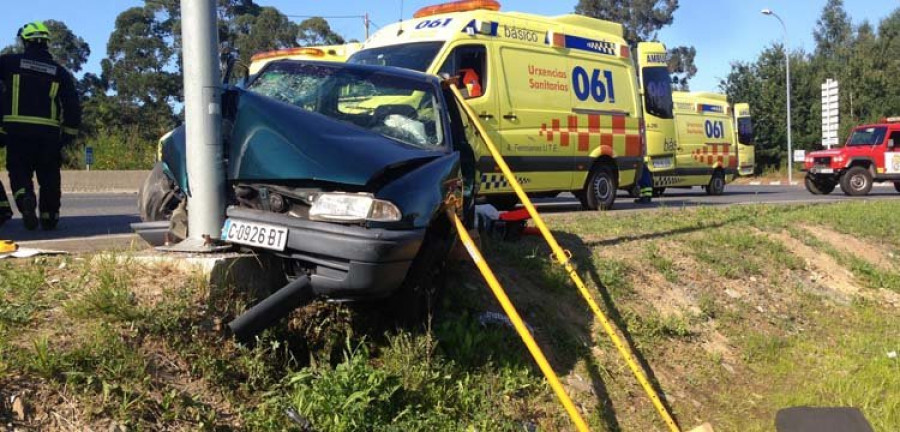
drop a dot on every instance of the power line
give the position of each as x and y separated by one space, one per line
328 17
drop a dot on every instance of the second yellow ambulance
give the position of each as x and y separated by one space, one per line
692 138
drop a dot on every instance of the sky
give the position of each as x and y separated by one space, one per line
722 31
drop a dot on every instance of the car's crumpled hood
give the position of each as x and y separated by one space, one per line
275 141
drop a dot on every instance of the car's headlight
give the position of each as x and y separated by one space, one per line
352 208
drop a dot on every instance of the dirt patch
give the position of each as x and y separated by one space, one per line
873 253
826 276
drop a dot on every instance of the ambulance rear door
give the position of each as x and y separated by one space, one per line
744 139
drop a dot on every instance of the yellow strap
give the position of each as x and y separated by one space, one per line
54 89
15 95
517 322
30 120
624 350
7 246
70 131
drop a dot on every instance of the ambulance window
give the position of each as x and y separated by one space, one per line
745 130
416 56
469 62
658 92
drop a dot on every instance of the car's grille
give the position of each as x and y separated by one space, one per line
274 199
822 161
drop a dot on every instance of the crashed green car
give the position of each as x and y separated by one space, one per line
343 171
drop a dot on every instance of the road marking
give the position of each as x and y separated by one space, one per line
75 239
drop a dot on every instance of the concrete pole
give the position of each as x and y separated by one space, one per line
203 120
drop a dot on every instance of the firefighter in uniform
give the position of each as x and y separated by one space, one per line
41 115
646 187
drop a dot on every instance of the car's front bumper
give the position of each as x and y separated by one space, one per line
345 262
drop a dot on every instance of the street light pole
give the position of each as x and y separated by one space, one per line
203 119
787 61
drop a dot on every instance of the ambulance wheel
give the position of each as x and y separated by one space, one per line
897 186
600 191
658 192
716 184
818 188
857 181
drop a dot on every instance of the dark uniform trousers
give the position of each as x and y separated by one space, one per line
5 209
38 154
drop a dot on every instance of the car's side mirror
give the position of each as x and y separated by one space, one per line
891 143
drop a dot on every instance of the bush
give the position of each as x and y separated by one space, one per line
115 149
118 149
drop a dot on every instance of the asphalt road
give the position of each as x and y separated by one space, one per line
734 194
87 222
101 221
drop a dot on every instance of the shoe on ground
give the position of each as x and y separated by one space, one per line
30 220
49 222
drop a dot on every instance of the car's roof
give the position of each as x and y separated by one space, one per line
402 73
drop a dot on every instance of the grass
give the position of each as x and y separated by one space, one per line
108 342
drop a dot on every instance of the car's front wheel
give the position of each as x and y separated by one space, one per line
157 198
857 181
414 299
897 186
820 186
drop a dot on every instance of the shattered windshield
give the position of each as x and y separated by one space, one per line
389 105
868 136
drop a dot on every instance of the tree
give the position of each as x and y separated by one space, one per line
67 48
316 31
681 66
267 30
834 30
642 20
140 70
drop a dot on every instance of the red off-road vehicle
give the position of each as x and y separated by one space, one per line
870 155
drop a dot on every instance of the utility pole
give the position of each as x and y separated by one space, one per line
367 22
203 120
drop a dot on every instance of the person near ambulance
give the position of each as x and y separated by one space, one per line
41 115
645 183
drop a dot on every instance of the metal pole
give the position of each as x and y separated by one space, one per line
203 119
787 61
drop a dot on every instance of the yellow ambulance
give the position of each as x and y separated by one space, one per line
692 138
559 94
333 53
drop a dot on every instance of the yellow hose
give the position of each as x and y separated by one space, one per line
513 315
563 258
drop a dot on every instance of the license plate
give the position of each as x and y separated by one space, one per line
255 234
823 170
662 162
